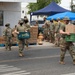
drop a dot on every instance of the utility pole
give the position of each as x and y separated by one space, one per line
72 6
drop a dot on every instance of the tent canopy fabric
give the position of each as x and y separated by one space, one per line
70 15
51 9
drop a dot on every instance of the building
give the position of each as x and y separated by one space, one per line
24 10
10 12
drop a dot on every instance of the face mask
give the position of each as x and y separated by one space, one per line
25 21
21 24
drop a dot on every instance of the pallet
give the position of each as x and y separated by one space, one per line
32 43
14 44
2 45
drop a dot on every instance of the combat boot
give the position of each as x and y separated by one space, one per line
74 62
62 62
27 47
6 48
9 48
21 54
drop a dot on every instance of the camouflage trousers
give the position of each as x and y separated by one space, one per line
64 47
26 42
8 43
21 44
52 38
57 39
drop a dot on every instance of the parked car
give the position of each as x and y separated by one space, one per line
40 24
73 22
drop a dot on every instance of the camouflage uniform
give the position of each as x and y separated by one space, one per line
52 32
8 36
66 46
21 43
27 25
46 31
57 34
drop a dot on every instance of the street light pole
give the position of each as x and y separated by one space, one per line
71 5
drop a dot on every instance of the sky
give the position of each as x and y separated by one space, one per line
64 3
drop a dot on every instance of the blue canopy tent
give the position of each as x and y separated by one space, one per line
51 9
70 15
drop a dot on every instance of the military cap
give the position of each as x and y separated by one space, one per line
44 17
52 19
58 18
8 24
47 22
66 18
25 18
20 21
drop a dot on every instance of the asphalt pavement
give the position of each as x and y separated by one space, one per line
38 60
44 44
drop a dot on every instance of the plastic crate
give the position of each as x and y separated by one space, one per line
24 35
70 38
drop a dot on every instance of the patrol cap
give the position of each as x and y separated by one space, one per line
44 17
47 22
52 19
25 18
7 24
20 21
66 18
58 18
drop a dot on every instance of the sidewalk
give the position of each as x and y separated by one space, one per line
35 45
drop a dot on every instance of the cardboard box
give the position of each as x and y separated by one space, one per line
70 28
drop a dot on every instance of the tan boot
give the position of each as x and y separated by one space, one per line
9 48
62 62
21 54
74 62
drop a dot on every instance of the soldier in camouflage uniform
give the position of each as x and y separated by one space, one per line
52 31
27 25
21 43
7 33
46 31
57 34
64 45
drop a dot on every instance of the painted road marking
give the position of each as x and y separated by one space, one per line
11 70
69 74
33 58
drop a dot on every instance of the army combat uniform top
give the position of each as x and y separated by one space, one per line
22 41
64 45
7 33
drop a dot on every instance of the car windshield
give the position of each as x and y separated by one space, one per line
40 23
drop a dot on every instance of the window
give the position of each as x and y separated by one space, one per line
23 11
1 18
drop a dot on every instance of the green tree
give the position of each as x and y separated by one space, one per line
39 5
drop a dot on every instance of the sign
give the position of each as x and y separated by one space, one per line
27 1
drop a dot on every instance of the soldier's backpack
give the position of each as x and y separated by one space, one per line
8 32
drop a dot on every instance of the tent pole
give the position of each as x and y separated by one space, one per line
30 18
